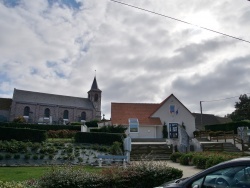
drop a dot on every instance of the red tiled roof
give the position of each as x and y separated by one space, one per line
121 112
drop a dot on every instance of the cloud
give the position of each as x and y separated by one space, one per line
55 46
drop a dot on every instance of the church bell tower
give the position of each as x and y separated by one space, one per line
95 96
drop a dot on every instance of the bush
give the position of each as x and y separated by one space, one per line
19 119
175 156
8 156
41 127
137 175
111 129
22 134
27 156
92 123
98 138
116 149
61 133
16 156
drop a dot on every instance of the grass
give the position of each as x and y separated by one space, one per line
27 173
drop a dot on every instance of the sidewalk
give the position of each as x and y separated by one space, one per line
187 170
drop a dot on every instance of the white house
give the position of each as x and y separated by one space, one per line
146 120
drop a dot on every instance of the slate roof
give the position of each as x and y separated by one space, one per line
94 86
121 112
209 119
52 99
5 103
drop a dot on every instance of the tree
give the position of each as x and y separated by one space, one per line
242 109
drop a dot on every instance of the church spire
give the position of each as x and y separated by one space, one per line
95 85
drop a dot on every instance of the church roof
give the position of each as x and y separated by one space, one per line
51 99
94 86
121 112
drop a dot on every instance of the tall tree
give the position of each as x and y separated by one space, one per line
242 109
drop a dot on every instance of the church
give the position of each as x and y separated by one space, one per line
45 108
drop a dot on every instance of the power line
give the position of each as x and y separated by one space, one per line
156 13
223 98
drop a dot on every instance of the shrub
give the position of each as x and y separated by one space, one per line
98 138
19 119
27 156
116 149
184 160
137 175
175 156
1 157
22 134
61 133
7 156
111 129
35 157
41 127
16 156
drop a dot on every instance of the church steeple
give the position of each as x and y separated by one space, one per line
95 85
94 95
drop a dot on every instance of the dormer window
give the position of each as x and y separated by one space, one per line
133 125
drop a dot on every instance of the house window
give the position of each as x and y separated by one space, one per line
173 130
96 97
66 114
26 111
172 109
133 125
47 112
83 116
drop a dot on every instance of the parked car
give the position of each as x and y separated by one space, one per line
230 174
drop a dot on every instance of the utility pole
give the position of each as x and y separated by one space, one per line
201 111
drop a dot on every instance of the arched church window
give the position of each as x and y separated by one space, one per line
47 112
26 111
66 114
96 97
83 116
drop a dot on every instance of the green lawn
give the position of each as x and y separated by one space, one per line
26 173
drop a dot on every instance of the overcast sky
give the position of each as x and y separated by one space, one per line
55 46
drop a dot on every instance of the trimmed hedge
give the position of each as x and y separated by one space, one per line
32 135
228 126
98 138
42 127
111 129
203 160
137 175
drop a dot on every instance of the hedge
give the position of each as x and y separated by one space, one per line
228 126
139 174
111 129
98 138
32 135
42 127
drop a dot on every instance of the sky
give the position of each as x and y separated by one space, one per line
137 56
